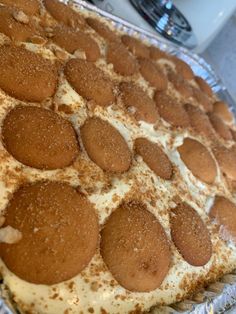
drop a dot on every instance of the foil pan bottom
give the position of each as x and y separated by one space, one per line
218 297
6 303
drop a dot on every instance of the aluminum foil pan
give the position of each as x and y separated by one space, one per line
219 297
6 304
4 309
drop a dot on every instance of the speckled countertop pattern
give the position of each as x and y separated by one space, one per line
221 54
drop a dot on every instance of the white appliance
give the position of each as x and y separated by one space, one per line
191 23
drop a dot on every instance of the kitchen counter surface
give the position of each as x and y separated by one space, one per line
221 54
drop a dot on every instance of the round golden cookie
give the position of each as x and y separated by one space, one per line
182 68
64 14
135 46
205 88
90 82
180 85
198 160
39 138
105 146
202 99
135 248
233 133
190 235
26 75
171 111
199 121
134 97
220 127
152 74
226 158
30 7
222 110
157 54
154 157
59 231
223 212
103 30
123 62
71 40
12 28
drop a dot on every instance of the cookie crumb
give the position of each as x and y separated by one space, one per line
20 16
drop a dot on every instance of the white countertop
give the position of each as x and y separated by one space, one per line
221 54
